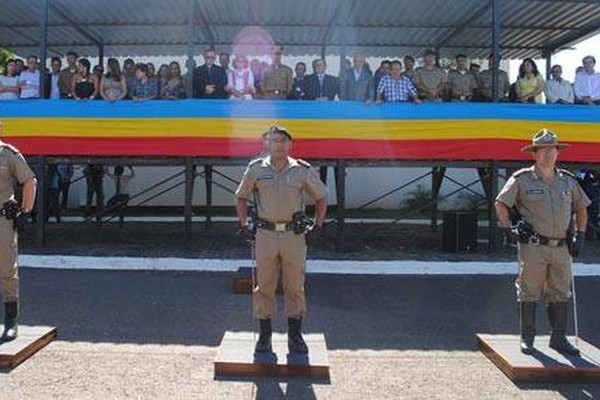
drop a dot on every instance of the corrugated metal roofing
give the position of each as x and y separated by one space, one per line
373 27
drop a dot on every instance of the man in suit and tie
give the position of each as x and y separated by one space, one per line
319 85
210 79
358 84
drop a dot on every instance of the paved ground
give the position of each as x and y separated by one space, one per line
150 335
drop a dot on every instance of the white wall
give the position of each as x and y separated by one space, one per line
362 185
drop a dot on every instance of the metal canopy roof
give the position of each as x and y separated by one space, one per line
373 27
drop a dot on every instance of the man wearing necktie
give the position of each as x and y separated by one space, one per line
210 79
319 85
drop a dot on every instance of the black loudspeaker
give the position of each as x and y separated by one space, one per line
460 231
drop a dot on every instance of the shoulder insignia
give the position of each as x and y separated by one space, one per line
303 163
521 172
568 173
10 147
257 159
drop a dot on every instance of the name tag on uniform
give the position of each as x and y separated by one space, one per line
534 191
265 177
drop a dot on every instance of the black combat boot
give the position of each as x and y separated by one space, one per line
263 345
527 325
11 315
295 342
557 316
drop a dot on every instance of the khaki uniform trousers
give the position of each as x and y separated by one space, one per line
9 275
275 250
543 269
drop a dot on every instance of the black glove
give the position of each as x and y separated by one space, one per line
11 210
21 221
247 232
575 243
509 236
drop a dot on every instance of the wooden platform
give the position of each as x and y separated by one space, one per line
30 340
242 282
235 357
545 365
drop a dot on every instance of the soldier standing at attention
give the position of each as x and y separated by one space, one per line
12 167
546 198
277 184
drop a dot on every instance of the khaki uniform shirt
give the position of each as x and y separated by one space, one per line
12 166
280 193
277 82
461 84
431 79
548 207
485 79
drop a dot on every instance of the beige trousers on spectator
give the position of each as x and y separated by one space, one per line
9 274
275 250
544 269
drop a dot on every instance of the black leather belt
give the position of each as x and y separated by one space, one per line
274 226
546 241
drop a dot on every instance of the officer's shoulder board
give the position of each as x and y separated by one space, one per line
255 161
303 163
9 147
521 172
567 173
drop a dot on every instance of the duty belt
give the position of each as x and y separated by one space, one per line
274 226
546 241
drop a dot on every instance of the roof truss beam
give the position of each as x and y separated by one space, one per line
478 13
58 11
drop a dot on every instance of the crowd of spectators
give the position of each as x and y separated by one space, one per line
217 78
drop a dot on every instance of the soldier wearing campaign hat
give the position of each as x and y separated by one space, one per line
278 185
13 168
546 198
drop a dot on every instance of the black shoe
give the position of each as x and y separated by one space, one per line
11 329
527 326
263 345
557 316
296 343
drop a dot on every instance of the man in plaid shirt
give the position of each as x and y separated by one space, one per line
396 87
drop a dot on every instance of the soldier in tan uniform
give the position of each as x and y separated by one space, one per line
12 167
278 184
278 81
546 198
461 81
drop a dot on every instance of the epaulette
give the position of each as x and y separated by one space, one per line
10 147
521 172
305 164
568 173
255 160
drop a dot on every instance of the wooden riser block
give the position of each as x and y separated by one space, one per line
31 339
235 357
242 282
545 365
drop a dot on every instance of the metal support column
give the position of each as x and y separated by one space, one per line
437 177
189 195
493 234
340 191
208 180
101 54
191 37
41 200
547 54
496 31
43 47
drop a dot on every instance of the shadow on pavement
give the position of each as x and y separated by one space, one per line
354 312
